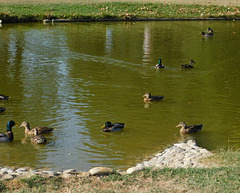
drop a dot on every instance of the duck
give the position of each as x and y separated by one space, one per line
2 109
189 129
189 65
3 97
41 130
110 127
148 97
208 33
159 65
9 135
37 138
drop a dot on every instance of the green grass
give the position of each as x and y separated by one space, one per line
27 12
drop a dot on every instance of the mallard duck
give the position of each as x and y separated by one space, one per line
41 130
3 97
159 65
189 129
189 65
208 33
9 135
109 127
209 30
149 97
38 139
2 109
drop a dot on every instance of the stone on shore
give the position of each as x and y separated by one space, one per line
100 171
181 155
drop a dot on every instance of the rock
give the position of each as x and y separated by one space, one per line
180 155
21 170
69 171
100 171
191 143
134 169
7 177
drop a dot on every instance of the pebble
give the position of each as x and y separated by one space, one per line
183 155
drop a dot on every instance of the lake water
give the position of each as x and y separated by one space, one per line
77 76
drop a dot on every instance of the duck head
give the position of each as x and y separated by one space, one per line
181 124
147 95
160 61
107 124
24 124
10 124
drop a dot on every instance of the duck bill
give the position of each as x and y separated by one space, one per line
102 126
178 126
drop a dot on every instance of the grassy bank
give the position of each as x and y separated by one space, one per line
224 177
39 10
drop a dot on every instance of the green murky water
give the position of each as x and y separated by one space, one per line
77 76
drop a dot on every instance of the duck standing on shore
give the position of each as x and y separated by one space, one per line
41 130
159 65
189 129
148 97
189 65
9 135
110 127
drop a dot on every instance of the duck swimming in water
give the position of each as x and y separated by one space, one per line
109 127
2 109
159 65
208 33
9 135
189 65
37 138
41 130
189 129
3 97
148 97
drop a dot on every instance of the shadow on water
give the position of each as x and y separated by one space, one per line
75 77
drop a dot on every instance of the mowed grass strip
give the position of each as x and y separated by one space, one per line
27 12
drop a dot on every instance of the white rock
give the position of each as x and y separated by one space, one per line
134 169
99 171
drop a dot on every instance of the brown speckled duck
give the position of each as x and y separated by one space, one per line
37 138
148 97
189 129
41 130
110 127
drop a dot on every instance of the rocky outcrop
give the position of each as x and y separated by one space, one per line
182 155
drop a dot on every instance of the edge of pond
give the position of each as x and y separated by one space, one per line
118 19
136 19
180 155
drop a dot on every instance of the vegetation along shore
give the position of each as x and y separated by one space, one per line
39 10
